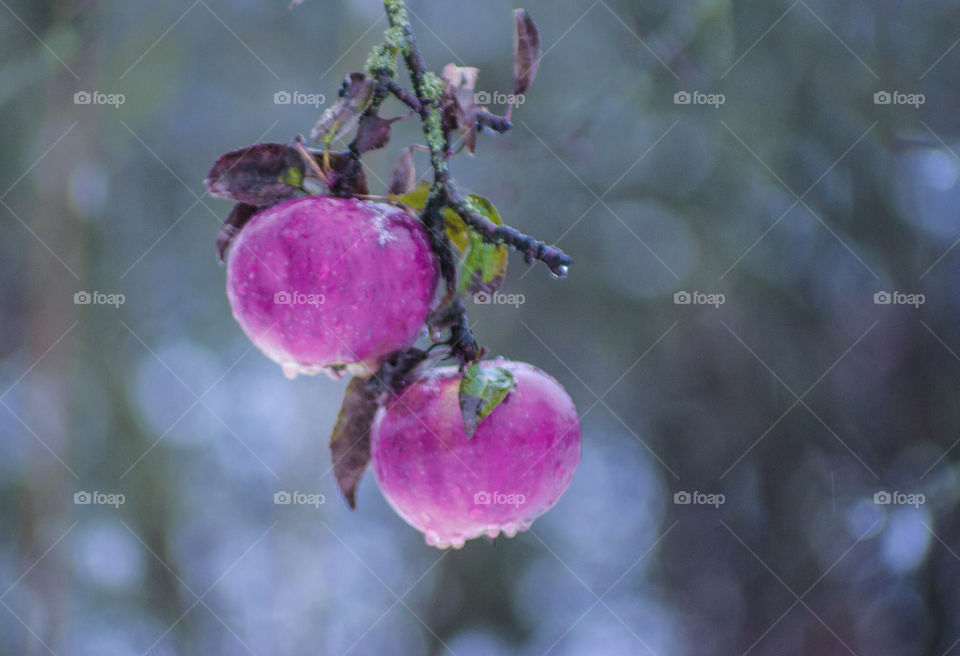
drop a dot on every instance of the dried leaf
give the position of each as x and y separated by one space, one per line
238 217
342 117
404 175
346 174
460 102
526 51
372 133
350 441
261 174
483 387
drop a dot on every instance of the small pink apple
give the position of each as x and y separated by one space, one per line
516 466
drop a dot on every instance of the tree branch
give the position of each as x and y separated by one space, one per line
498 124
425 100
555 259
403 95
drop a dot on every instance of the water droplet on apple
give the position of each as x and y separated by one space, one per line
290 369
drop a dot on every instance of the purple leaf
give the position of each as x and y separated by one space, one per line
350 442
526 51
404 176
262 174
238 217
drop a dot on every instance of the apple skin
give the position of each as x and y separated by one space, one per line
335 284
453 488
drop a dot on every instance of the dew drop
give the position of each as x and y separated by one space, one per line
457 542
493 532
290 369
510 530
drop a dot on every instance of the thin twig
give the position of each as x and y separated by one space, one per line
555 259
498 124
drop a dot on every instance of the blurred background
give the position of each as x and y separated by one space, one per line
760 332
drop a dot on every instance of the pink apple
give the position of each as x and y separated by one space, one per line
333 283
453 488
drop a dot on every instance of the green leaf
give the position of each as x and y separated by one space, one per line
417 200
484 265
350 441
482 389
293 176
